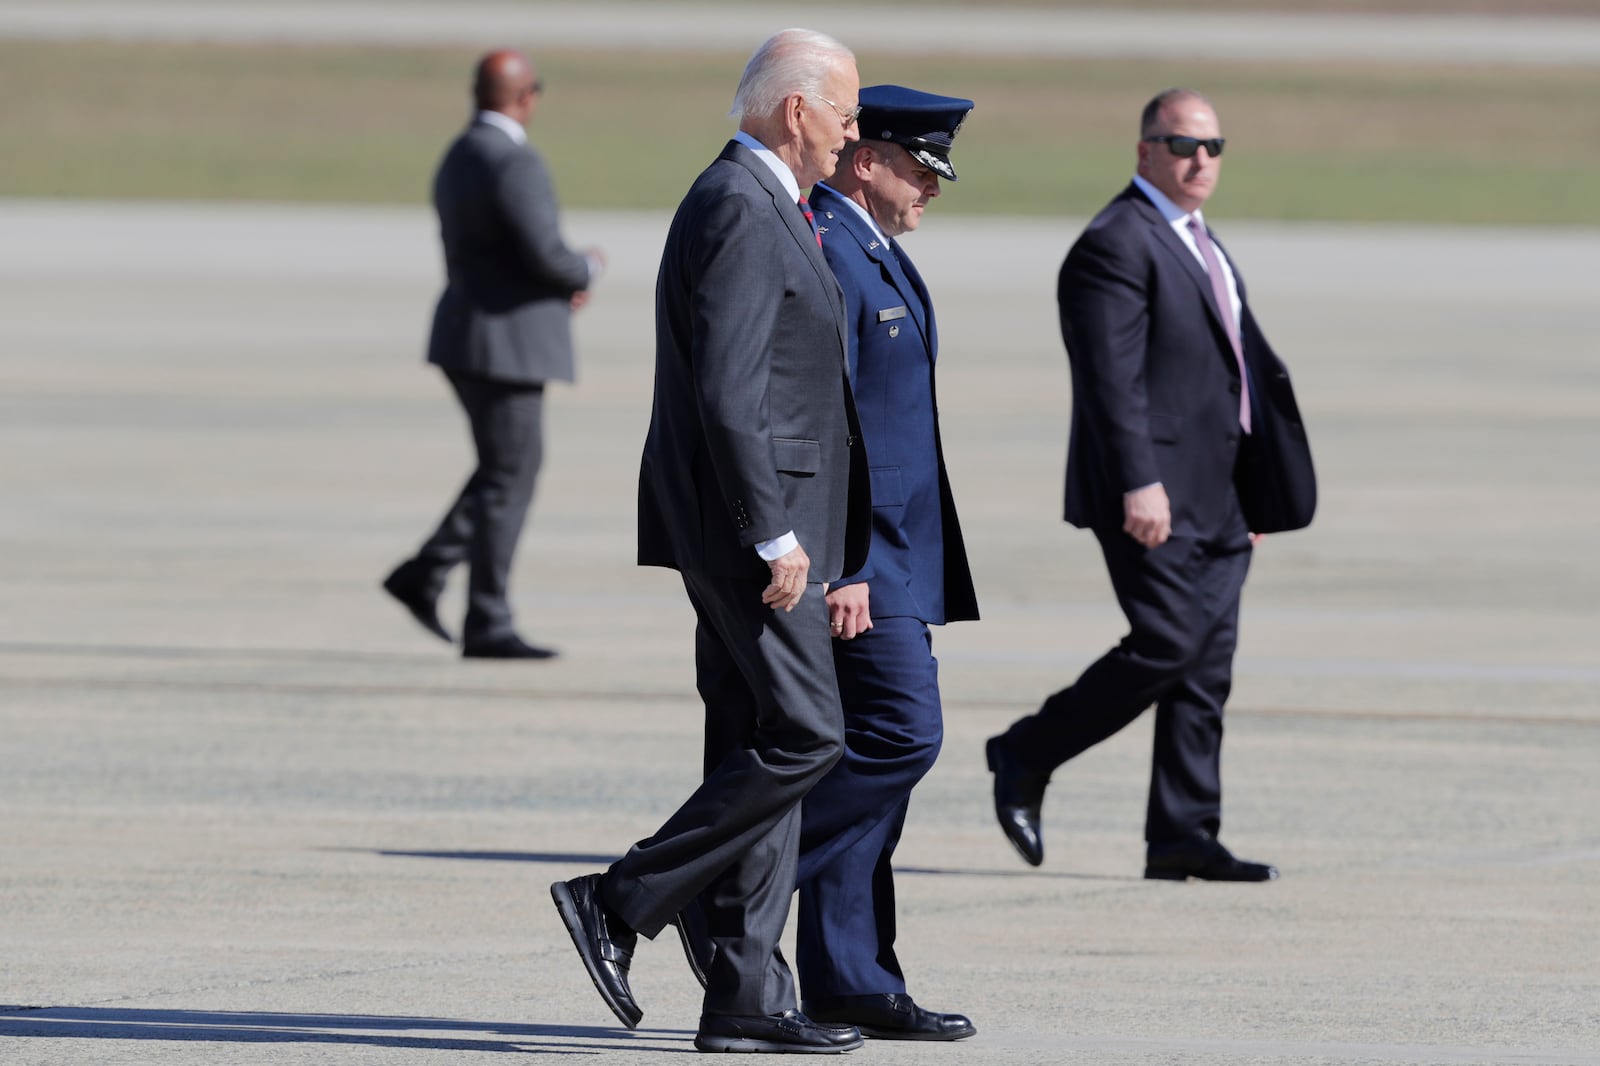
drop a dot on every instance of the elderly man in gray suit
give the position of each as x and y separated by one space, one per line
501 330
754 487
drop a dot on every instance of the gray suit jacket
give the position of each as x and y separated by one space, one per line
505 312
753 431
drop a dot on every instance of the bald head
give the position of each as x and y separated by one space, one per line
505 81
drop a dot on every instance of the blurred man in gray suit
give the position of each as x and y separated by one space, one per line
753 486
501 330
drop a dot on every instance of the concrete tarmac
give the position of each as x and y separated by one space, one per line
251 813
1515 41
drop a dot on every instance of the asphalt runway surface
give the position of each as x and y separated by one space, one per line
995 29
250 813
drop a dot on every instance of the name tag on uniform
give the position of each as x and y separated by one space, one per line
889 314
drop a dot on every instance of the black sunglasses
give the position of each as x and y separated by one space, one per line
1184 147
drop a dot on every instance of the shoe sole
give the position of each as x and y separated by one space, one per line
567 907
750 1045
1168 874
900 1034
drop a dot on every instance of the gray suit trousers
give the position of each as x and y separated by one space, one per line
485 521
774 727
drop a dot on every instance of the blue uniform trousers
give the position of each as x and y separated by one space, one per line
851 821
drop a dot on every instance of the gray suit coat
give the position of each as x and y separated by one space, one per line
753 431
505 313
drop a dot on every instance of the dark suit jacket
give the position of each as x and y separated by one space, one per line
918 563
1155 387
505 313
753 432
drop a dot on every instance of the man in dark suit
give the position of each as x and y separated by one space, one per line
1186 443
916 574
753 485
501 330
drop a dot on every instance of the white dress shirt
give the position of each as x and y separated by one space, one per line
1178 219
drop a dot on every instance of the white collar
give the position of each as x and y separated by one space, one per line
1169 210
504 122
779 168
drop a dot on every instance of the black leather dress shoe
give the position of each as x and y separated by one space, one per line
1204 858
404 586
790 1031
698 947
510 646
1018 797
889 1016
603 940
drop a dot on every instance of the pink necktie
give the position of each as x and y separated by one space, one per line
1219 289
805 209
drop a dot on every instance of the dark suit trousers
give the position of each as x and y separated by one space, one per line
1182 605
851 822
774 727
483 525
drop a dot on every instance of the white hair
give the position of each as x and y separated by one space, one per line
790 61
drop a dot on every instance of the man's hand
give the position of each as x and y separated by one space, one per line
847 611
1147 515
580 298
788 579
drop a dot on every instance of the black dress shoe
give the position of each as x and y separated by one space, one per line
790 1031
698 947
1018 796
404 586
509 646
889 1016
604 941
1204 858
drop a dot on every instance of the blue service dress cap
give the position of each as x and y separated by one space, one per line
925 124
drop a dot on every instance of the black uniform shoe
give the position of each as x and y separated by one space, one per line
889 1016
604 941
1204 858
790 1031
509 646
1018 796
405 586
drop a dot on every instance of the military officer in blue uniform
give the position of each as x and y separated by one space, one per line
916 573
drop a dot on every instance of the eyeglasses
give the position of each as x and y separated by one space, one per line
1184 147
847 117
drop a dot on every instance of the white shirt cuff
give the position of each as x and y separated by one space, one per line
777 549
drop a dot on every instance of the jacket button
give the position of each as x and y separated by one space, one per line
850 441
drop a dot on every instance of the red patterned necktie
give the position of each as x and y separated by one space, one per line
1219 290
805 209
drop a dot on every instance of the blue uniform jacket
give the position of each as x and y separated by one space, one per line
917 565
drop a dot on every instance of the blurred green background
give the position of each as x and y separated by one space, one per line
1327 140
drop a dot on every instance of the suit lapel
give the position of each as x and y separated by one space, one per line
902 275
902 267
795 223
1180 251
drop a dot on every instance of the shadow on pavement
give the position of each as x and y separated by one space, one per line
606 860
250 1027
